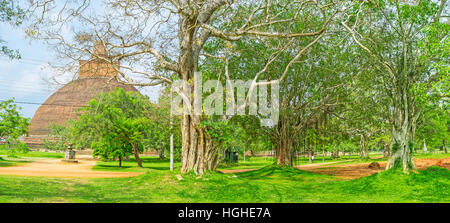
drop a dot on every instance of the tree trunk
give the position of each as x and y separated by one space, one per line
386 150
444 145
161 153
120 161
323 155
364 150
403 128
424 146
401 155
283 151
309 151
284 154
136 154
199 154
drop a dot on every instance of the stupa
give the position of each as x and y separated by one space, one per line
95 76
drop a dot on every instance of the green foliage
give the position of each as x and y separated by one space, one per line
220 131
58 139
158 134
12 127
434 126
113 124
15 16
269 184
34 154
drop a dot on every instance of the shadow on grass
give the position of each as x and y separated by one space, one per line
276 172
8 163
431 185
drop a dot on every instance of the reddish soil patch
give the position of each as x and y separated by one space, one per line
425 163
345 171
354 171
57 168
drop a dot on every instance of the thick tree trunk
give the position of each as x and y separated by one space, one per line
403 127
364 149
283 153
401 154
199 154
120 161
136 154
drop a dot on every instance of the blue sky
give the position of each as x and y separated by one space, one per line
25 79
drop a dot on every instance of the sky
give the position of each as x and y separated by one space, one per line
26 80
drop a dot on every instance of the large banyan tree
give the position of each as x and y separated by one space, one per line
407 43
159 41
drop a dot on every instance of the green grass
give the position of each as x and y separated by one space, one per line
384 159
154 163
6 161
259 162
149 163
267 184
249 163
34 154
431 155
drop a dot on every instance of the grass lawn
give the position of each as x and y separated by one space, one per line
148 162
268 184
431 155
34 154
7 161
259 162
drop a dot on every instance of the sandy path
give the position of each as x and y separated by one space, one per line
57 168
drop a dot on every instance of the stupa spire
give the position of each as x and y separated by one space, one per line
98 67
99 49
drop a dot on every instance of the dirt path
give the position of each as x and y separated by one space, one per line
357 170
57 168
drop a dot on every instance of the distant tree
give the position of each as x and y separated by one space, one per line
115 124
160 130
433 129
58 139
12 126
14 15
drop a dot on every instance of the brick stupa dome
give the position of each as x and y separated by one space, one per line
95 77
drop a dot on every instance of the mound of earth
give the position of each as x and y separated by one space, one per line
354 171
374 166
